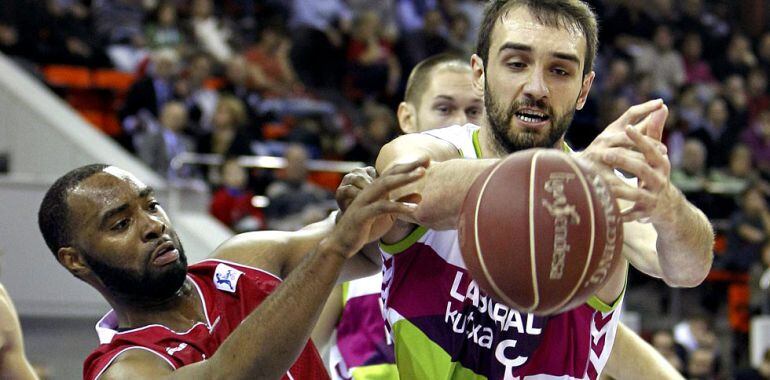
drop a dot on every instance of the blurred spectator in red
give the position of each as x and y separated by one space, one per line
373 70
163 30
759 99
232 202
716 133
757 138
749 230
212 33
697 69
160 144
318 30
294 200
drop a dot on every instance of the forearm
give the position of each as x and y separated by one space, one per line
632 358
684 244
14 365
443 191
271 338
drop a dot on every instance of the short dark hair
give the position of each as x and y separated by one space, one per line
418 78
553 13
53 218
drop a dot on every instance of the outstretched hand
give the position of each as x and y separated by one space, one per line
370 213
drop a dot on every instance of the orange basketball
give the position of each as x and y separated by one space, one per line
540 231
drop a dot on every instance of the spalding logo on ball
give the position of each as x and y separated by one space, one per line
540 231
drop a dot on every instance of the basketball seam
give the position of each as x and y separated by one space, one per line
587 192
480 256
532 253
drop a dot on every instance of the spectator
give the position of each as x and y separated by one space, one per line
695 333
294 200
163 31
461 41
690 177
318 29
749 230
201 100
17 21
148 95
739 173
211 32
759 283
228 136
738 60
232 202
119 24
159 146
380 127
385 9
758 97
664 64
411 14
697 69
702 365
374 72
64 36
424 42
757 138
716 134
239 82
663 342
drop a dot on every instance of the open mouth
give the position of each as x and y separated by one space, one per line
532 116
165 253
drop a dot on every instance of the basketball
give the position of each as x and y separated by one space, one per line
540 231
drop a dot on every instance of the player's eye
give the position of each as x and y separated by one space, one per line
473 112
443 109
120 225
154 205
560 72
516 65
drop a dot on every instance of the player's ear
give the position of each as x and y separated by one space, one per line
407 117
477 67
588 80
69 257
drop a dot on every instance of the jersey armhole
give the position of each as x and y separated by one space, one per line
170 364
408 241
595 303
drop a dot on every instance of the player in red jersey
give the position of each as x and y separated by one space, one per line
245 313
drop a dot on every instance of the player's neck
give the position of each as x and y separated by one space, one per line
490 148
178 312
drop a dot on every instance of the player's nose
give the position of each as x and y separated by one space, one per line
535 86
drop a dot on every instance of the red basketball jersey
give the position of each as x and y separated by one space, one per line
229 292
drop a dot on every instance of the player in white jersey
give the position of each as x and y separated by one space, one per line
534 70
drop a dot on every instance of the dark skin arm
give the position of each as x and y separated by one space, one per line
304 291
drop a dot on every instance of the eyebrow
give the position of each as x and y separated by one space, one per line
526 48
144 193
444 97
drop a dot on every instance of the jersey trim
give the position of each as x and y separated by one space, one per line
241 265
405 243
476 144
109 363
595 303
345 290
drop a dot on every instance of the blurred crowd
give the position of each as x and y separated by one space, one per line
320 79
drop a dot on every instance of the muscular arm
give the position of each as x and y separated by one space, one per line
445 184
330 315
13 361
268 341
632 358
281 252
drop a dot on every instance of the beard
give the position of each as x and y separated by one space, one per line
500 121
150 286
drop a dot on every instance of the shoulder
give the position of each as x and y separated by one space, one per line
412 146
128 363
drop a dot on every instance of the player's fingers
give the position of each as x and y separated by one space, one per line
345 195
650 148
640 197
638 112
634 215
361 181
371 172
405 167
630 163
388 207
387 183
653 125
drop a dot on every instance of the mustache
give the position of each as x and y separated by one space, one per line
539 105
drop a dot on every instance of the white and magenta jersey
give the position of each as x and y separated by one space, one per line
445 327
363 349
229 292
